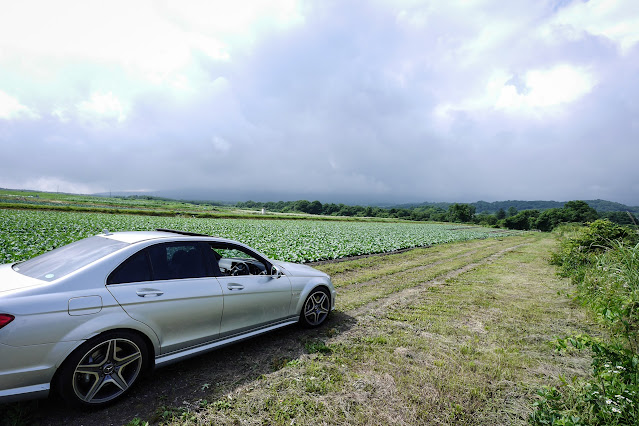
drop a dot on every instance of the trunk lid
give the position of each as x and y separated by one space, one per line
11 280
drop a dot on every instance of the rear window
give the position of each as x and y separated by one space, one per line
64 260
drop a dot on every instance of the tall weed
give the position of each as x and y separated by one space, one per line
612 290
602 261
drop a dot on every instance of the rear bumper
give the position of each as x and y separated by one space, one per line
26 371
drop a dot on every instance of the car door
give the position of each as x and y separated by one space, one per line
253 298
171 288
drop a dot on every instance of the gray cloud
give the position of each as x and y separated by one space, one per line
362 101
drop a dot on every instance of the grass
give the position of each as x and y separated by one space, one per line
453 334
471 349
364 283
602 260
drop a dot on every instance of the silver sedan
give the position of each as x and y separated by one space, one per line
87 319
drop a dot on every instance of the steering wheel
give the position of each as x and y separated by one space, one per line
240 268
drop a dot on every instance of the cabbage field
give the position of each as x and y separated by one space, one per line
25 234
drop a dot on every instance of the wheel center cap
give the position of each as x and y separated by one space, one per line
108 368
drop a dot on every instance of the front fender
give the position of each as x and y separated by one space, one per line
306 286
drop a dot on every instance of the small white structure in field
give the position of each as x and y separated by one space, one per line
263 210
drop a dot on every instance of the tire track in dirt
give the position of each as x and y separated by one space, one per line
355 285
377 308
351 274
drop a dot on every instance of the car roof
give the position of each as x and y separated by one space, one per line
132 237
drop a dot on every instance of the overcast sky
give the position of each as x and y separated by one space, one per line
378 100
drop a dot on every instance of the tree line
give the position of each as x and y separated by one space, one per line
511 218
494 206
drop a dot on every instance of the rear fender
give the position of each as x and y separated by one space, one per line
109 319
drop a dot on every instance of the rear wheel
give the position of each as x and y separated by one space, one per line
103 369
316 308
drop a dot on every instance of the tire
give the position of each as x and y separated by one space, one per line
316 308
102 369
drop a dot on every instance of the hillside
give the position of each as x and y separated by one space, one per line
492 207
145 204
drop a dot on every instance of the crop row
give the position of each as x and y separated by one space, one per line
25 234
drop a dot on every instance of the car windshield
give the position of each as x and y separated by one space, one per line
64 260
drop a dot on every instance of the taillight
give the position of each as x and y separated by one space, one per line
5 319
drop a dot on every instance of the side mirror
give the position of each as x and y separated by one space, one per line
276 272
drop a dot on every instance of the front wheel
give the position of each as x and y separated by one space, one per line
103 369
316 308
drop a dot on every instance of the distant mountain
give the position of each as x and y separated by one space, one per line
441 205
611 206
601 206
232 196
492 207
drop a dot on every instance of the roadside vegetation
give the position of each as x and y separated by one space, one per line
602 261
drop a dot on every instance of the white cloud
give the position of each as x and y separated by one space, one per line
150 40
103 106
50 184
618 20
220 144
340 91
541 91
11 108
546 88
125 32
244 19
61 113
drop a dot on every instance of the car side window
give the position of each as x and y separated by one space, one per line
135 269
235 260
177 261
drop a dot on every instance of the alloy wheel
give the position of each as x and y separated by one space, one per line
316 308
107 370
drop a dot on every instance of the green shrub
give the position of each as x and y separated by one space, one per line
603 261
523 220
610 397
579 249
611 289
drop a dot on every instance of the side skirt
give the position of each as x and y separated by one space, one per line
164 360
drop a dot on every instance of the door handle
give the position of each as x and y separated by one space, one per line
235 286
149 292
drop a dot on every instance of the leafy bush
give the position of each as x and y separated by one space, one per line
611 397
550 219
603 261
579 211
523 220
460 213
612 290
579 251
